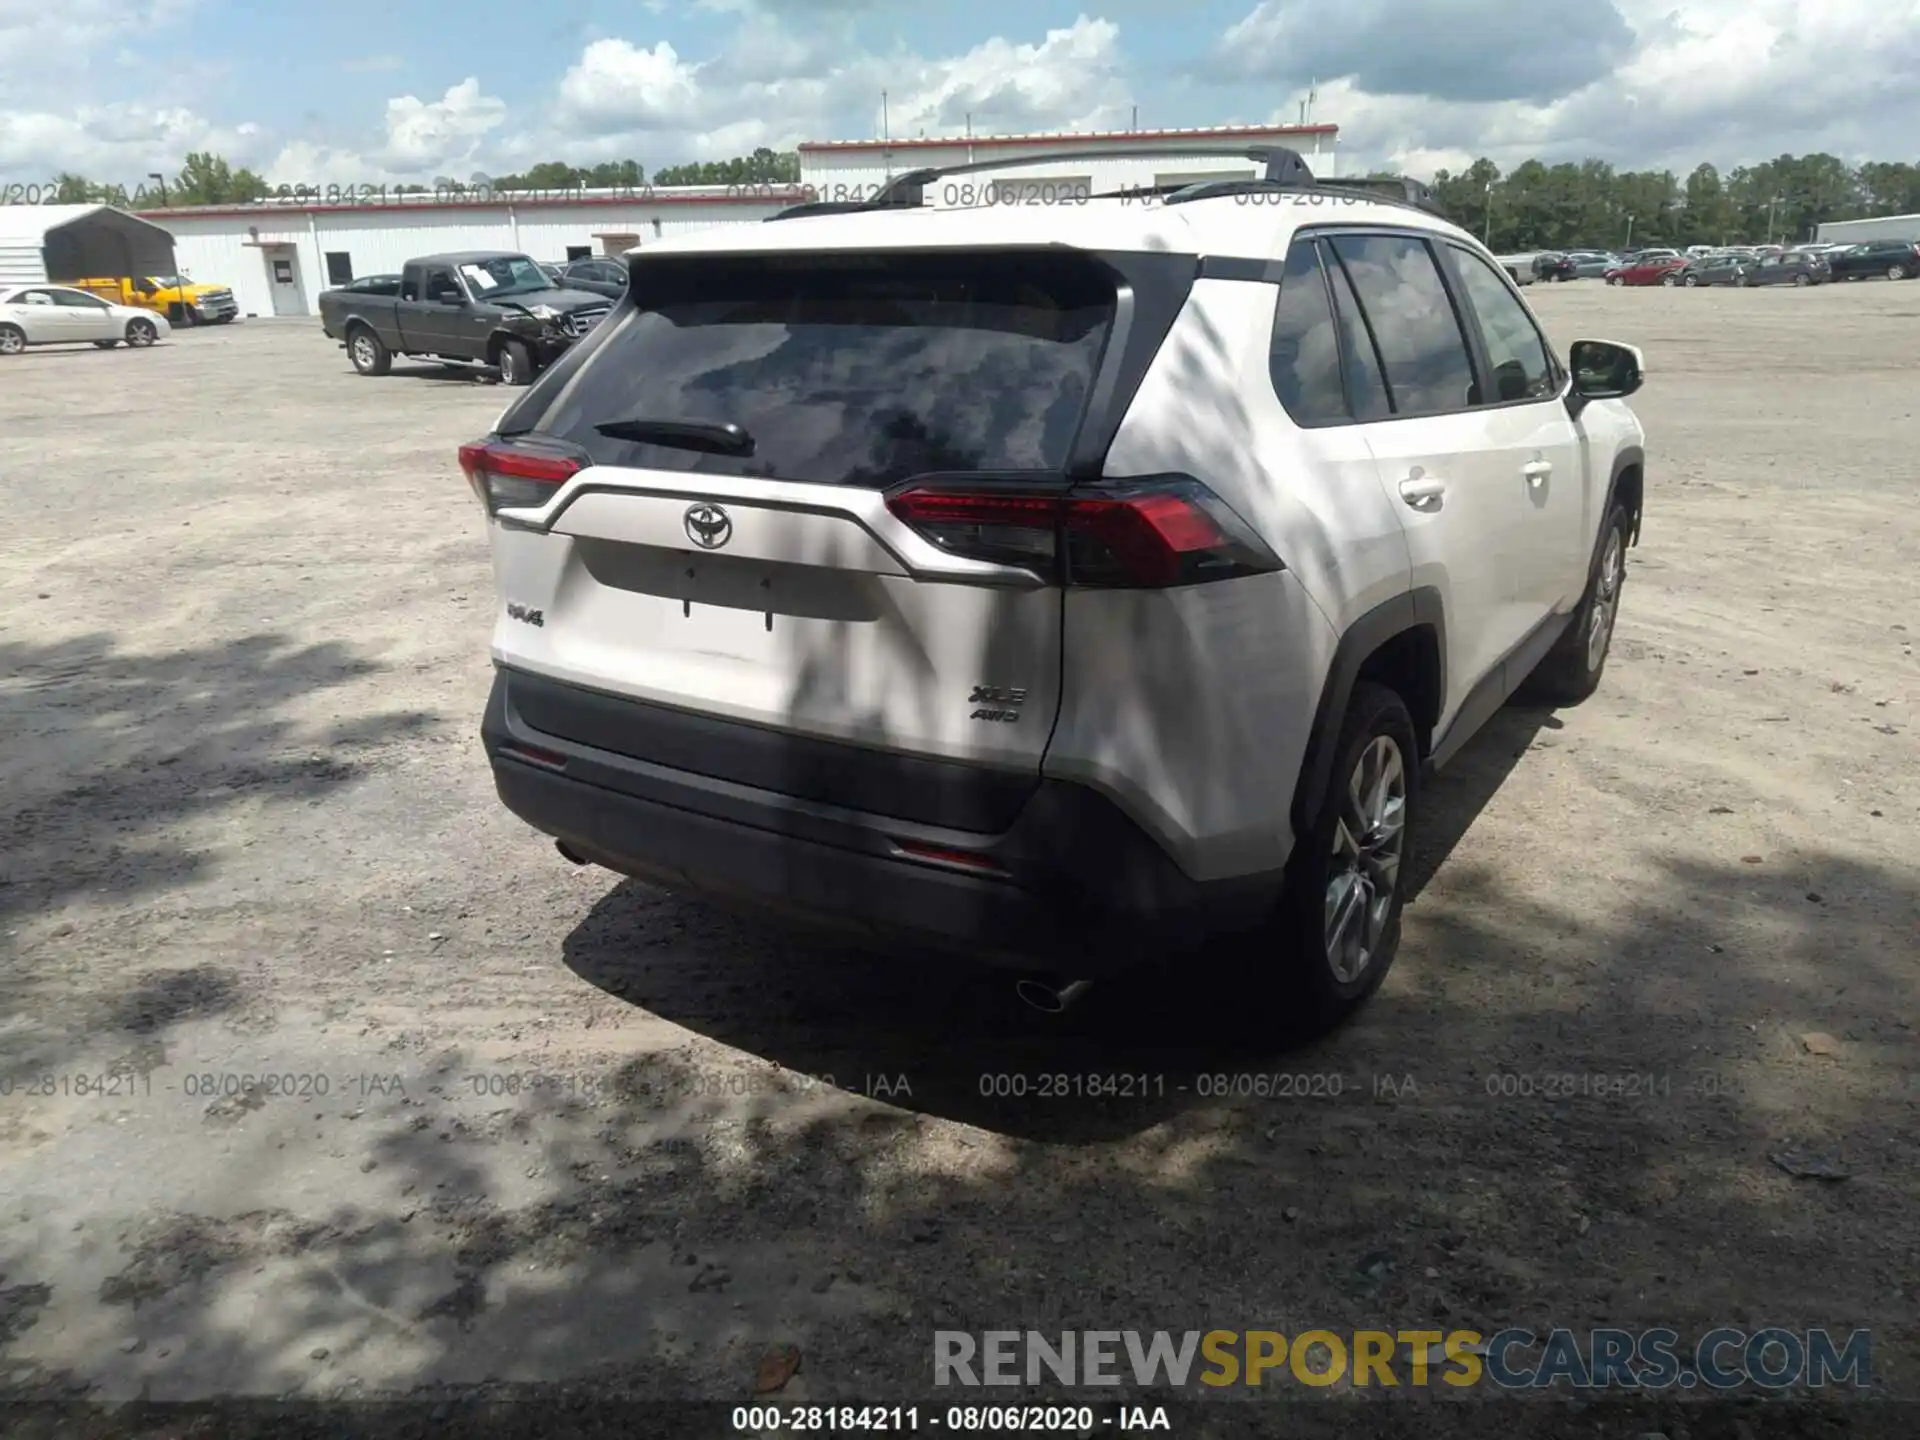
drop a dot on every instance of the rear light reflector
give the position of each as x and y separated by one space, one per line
1152 533
533 755
507 477
941 855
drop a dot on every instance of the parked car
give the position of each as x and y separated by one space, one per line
1895 259
1795 267
1723 268
1552 265
181 300
1591 264
556 272
63 315
487 308
1646 271
604 275
1519 268
856 573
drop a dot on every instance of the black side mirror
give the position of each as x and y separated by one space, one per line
1605 369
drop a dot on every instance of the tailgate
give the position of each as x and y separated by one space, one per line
764 582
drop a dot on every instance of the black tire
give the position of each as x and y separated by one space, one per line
1292 959
1571 671
1691 281
105 344
1803 280
367 352
13 340
516 364
1896 272
1667 280
141 333
1615 280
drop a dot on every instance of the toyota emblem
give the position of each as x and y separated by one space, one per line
708 526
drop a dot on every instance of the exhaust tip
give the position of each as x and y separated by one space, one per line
1048 998
568 853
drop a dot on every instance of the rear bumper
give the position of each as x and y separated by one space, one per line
1078 887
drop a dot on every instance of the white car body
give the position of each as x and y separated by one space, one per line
62 315
754 673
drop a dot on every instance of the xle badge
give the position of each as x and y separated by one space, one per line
531 617
993 702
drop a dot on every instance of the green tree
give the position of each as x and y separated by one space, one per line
1709 218
207 179
763 167
71 189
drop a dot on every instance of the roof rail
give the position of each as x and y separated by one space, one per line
1280 165
1382 190
1283 166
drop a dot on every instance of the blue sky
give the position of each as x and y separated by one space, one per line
355 90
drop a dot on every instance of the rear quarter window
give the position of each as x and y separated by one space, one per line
857 369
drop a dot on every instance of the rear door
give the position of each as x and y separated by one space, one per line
44 322
764 579
1531 443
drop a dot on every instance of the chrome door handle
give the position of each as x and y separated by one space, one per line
1536 472
1423 492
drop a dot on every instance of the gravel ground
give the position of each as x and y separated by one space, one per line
544 1131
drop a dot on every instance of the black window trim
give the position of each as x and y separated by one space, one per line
1477 340
1330 256
1450 287
1272 272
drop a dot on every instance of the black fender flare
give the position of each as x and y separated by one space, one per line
1630 457
1420 606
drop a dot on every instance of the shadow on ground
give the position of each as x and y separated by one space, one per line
683 1226
112 761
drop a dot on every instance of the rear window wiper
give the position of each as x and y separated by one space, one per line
681 434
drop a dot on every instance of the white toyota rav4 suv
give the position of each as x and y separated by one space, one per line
1068 586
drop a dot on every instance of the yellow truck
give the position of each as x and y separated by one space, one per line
174 296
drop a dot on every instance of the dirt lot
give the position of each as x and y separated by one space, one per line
536 1125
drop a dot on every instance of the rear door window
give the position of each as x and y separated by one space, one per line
849 368
1303 357
1429 369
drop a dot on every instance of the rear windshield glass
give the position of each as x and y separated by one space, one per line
856 369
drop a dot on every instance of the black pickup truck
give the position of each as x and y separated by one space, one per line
487 308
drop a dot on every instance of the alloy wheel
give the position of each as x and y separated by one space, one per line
1368 839
140 333
1606 600
12 342
363 355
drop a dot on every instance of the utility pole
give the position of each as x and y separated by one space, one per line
1772 205
1486 230
1629 244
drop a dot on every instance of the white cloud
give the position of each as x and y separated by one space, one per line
618 87
116 142
424 139
1725 81
1432 83
775 87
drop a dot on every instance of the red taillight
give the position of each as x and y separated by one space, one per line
1151 534
507 477
941 855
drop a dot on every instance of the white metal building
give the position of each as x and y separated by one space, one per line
278 255
42 243
1881 227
